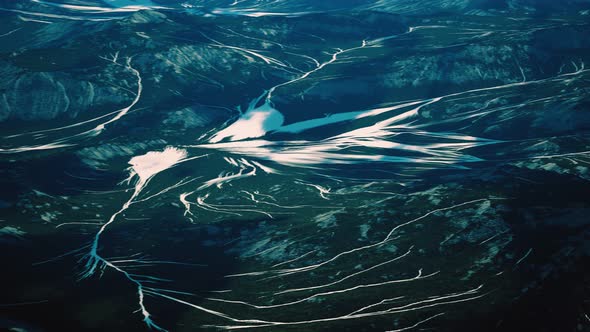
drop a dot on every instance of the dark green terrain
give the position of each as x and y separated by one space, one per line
263 165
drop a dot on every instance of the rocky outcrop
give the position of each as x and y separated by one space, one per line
34 96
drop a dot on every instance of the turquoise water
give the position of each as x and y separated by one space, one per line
286 166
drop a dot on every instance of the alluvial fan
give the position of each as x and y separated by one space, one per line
269 165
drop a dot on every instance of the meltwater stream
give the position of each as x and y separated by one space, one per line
279 166
247 145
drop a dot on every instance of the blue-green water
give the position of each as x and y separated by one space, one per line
294 166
